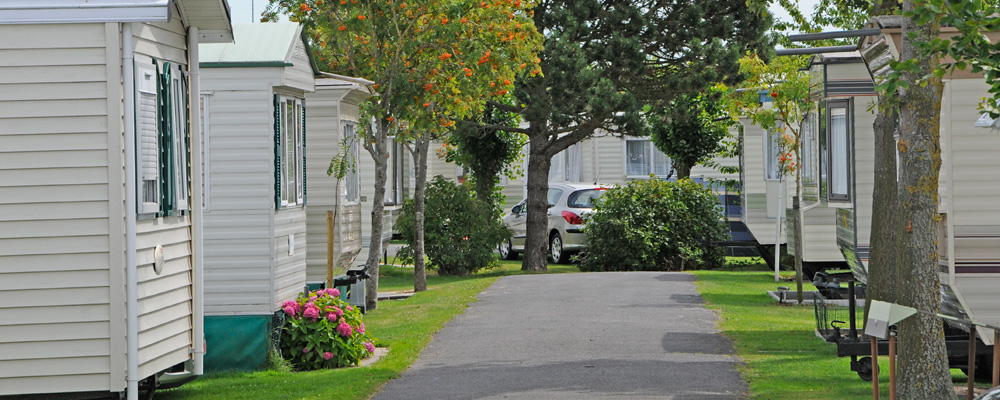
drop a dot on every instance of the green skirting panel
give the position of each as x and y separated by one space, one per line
236 342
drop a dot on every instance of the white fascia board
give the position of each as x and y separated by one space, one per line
83 11
216 36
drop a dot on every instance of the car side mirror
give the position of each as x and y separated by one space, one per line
516 209
551 205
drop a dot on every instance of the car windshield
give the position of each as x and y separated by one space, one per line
585 198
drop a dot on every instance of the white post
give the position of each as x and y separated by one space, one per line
777 230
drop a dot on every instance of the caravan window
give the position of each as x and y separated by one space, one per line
810 172
351 180
772 148
839 148
642 159
289 151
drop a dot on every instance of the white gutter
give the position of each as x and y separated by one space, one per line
197 212
131 277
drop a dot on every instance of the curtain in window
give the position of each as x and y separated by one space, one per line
556 167
839 157
571 171
661 163
771 150
636 158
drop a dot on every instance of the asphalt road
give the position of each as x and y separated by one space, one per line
635 335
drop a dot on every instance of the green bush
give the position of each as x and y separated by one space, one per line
460 232
654 225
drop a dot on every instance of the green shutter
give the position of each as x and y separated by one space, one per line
304 169
165 101
186 96
277 152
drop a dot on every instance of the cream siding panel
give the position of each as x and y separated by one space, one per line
165 42
54 208
300 74
819 233
754 185
980 294
972 157
864 168
289 269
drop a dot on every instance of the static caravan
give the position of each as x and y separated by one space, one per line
838 165
608 159
969 252
334 120
100 272
253 93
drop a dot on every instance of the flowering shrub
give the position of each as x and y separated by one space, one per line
323 331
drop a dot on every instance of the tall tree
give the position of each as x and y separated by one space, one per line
605 59
787 87
690 129
923 357
432 61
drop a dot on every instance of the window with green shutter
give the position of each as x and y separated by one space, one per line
289 151
162 140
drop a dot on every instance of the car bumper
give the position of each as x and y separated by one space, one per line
574 239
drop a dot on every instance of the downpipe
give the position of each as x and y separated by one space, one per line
197 211
131 276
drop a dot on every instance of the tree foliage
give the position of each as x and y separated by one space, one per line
432 62
606 59
690 129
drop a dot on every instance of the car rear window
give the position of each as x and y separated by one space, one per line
585 198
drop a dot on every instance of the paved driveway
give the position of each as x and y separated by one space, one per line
636 335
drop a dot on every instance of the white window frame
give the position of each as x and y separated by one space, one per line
291 167
180 119
772 148
655 163
840 157
352 180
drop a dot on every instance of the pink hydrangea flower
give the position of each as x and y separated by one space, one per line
331 316
370 347
361 327
333 292
344 329
289 310
313 298
349 308
305 350
327 355
338 311
311 312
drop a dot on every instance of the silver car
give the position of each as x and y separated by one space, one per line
568 203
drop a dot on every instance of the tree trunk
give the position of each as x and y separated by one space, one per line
683 170
419 265
883 257
537 241
380 154
923 359
484 187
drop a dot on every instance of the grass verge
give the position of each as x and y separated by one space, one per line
784 357
404 326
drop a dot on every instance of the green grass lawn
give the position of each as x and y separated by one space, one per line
404 326
784 357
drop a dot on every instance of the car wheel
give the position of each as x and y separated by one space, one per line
556 253
507 251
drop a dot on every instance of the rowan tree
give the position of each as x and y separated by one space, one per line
433 62
787 89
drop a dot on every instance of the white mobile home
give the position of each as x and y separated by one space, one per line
839 135
253 93
99 236
969 243
334 120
